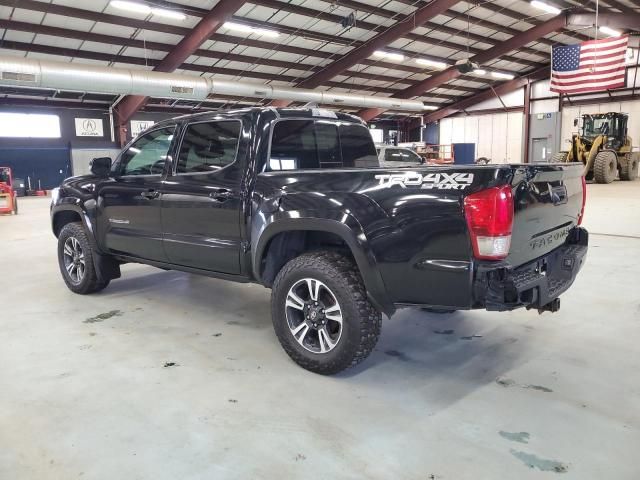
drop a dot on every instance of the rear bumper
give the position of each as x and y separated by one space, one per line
536 284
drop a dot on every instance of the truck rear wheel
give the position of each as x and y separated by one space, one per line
75 258
605 167
321 314
629 169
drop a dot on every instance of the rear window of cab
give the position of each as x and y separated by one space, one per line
320 144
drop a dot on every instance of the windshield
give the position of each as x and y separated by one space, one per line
594 126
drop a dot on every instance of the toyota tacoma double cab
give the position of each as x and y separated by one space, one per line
295 200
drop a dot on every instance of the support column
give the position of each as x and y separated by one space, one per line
527 122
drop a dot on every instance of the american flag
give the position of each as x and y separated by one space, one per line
590 66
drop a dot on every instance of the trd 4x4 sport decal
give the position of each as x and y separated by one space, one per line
428 181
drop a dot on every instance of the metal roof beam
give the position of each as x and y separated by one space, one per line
390 14
365 50
107 57
110 39
223 10
620 20
452 73
496 90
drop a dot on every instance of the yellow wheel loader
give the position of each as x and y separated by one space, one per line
604 148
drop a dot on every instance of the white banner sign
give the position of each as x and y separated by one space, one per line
89 127
138 126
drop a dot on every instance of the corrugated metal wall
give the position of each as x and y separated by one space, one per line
497 136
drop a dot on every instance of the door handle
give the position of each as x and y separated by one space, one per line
150 194
221 195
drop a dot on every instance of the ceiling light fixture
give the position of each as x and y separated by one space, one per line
240 27
506 76
479 71
391 56
431 63
610 31
131 6
546 7
163 12
430 107
146 9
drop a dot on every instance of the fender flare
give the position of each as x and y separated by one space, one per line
72 207
339 223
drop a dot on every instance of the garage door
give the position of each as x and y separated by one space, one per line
48 166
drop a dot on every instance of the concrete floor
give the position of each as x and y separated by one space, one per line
84 391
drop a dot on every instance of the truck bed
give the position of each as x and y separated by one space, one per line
414 222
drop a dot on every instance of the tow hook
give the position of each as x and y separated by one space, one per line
553 306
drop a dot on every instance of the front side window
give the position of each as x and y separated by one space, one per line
413 156
208 146
305 144
147 155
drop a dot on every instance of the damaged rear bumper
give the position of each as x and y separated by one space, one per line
537 284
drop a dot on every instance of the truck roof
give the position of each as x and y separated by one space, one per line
303 112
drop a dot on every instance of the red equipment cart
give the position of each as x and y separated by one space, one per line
8 196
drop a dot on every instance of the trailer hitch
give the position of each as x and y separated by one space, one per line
553 306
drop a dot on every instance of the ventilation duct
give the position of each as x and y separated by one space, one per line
122 81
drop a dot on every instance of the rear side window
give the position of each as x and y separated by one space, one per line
358 149
293 146
308 144
208 146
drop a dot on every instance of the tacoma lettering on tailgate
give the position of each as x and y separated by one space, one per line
549 239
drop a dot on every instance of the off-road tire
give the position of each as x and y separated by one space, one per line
361 320
90 282
605 167
560 157
629 170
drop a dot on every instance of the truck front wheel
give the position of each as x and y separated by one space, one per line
75 258
321 314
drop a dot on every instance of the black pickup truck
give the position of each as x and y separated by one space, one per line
294 199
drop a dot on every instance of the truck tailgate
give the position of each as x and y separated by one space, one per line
548 202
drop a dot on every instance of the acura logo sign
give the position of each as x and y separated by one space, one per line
89 127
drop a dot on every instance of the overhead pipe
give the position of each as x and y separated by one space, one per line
30 73
627 21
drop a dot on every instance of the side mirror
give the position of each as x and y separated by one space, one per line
101 166
575 122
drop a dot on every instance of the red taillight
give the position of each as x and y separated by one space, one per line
489 216
584 200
